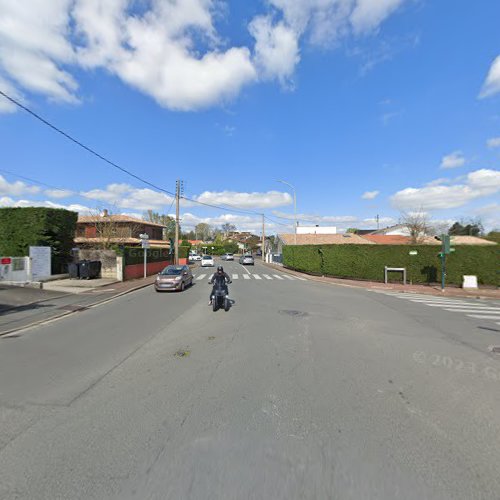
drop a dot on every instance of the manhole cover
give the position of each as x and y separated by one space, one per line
495 349
73 308
181 353
292 312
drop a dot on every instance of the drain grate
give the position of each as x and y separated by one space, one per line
73 308
294 313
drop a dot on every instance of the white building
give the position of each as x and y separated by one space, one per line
316 229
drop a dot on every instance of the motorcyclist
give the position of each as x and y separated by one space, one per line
219 278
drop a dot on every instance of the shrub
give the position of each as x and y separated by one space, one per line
21 228
367 262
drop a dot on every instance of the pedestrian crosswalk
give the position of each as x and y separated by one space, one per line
253 276
469 307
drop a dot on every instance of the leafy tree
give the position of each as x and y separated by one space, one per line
471 228
165 220
203 231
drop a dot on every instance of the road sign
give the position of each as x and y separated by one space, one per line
413 252
145 243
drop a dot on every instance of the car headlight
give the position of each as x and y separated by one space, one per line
178 278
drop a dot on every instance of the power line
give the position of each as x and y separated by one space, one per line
227 207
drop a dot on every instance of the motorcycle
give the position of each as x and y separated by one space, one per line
220 298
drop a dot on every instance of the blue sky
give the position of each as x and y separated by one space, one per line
366 106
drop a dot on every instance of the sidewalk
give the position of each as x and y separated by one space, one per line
481 293
25 307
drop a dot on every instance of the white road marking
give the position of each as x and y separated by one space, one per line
257 277
483 316
471 310
277 277
246 276
200 277
235 276
301 279
288 277
267 276
469 306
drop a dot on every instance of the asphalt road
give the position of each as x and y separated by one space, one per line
302 390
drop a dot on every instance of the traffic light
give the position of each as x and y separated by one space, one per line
172 246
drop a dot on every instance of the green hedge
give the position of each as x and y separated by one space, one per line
21 228
135 255
367 262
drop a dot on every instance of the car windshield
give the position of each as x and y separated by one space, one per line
172 271
207 257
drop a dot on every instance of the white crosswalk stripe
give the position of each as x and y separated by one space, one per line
484 316
472 309
257 277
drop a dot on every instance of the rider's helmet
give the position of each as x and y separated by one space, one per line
220 269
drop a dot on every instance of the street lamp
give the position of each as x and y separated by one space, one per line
294 206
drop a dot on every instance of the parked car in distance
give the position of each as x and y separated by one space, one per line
207 261
247 260
174 278
194 257
227 256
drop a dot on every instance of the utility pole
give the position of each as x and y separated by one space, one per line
263 239
378 222
176 243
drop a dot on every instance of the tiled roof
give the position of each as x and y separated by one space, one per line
122 241
324 239
470 240
88 219
385 239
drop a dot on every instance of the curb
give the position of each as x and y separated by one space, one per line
67 313
319 279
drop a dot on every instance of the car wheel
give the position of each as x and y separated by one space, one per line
182 287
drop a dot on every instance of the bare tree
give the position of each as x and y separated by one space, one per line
417 225
109 231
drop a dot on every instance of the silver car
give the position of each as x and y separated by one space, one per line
174 278
247 260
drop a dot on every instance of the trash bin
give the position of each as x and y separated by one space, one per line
95 269
73 270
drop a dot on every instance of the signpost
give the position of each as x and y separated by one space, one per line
145 246
446 249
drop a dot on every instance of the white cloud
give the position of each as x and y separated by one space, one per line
477 184
75 207
369 14
494 142
492 84
34 46
16 188
169 50
276 48
270 199
453 160
126 196
242 222
318 219
370 195
59 193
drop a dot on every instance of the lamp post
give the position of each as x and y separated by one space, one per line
294 206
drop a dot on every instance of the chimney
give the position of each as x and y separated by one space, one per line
105 212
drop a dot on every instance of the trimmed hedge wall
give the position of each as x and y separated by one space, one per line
21 228
366 262
135 255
